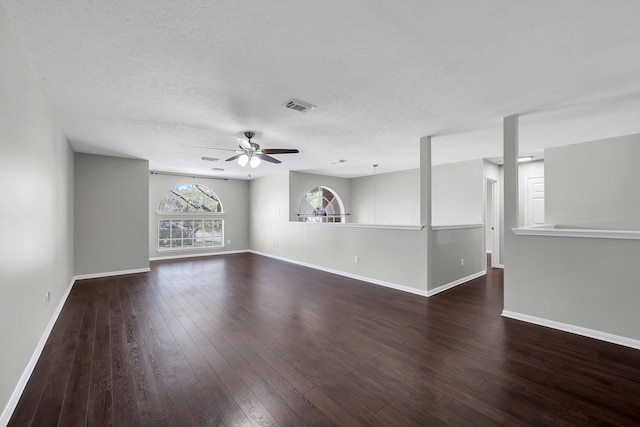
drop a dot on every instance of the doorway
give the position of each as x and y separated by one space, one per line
492 221
534 209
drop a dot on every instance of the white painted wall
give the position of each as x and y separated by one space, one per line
234 195
386 198
594 184
111 214
36 211
458 193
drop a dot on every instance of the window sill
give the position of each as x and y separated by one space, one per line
354 225
551 231
189 249
455 226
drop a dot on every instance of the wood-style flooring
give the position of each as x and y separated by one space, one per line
248 340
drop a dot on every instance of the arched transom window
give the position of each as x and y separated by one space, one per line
190 198
321 204
191 219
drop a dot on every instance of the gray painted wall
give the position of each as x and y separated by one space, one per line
449 246
492 172
234 195
458 193
37 213
590 283
386 198
396 256
525 171
111 214
388 255
594 184
581 282
300 183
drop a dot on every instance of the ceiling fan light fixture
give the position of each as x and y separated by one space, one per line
255 161
243 160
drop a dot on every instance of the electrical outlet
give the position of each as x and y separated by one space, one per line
228 242
47 298
356 259
461 262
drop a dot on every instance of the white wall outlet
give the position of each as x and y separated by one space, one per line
228 242
356 259
275 245
47 298
461 262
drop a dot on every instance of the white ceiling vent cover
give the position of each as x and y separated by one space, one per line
296 104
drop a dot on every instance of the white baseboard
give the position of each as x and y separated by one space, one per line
499 266
26 374
178 256
455 283
396 286
111 273
578 330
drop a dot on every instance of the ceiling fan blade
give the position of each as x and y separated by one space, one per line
268 158
214 148
279 151
244 144
234 157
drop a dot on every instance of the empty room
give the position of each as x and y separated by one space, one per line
336 213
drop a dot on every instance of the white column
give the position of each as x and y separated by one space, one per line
425 181
510 186
425 201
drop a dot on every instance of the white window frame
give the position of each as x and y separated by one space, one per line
217 241
328 216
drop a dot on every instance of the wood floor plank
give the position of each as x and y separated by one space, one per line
74 407
242 339
100 398
28 403
54 389
125 407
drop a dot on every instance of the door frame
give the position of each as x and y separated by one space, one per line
492 185
528 207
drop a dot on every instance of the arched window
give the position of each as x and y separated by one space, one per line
321 204
191 219
190 198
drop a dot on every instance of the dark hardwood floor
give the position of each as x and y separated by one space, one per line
248 340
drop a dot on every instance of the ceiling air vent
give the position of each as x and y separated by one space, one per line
296 104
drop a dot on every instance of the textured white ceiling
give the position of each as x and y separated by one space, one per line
152 79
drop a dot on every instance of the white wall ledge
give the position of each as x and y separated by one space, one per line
578 232
456 226
357 225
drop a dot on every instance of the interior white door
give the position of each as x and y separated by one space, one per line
534 215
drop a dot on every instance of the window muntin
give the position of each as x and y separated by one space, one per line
190 233
190 198
321 204
190 219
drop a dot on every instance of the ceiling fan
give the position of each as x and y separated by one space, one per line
250 153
